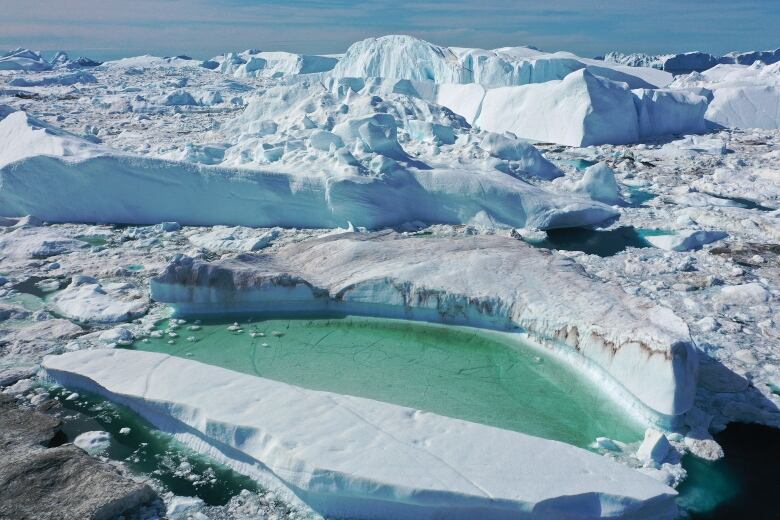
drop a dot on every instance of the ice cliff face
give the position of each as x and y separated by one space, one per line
482 281
741 96
256 64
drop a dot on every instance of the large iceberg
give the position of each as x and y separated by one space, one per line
253 63
60 177
580 110
741 96
24 60
584 109
406 57
352 457
484 281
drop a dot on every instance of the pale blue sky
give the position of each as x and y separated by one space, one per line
203 28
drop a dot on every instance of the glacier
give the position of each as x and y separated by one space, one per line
348 456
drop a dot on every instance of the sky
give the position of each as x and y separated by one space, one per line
204 28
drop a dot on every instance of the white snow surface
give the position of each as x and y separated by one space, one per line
483 281
348 456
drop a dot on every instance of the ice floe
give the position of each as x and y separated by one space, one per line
348 456
645 348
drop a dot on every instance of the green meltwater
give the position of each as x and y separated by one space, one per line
480 376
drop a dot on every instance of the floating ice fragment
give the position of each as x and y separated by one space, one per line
93 442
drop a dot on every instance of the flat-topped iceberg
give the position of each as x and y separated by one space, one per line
352 457
407 57
640 350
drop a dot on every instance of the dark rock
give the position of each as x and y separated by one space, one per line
59 483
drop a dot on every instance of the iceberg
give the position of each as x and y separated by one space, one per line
409 58
580 110
352 457
584 109
642 351
254 64
696 61
741 96
60 177
24 60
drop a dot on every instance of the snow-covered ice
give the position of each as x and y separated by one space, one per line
392 462
93 442
646 349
